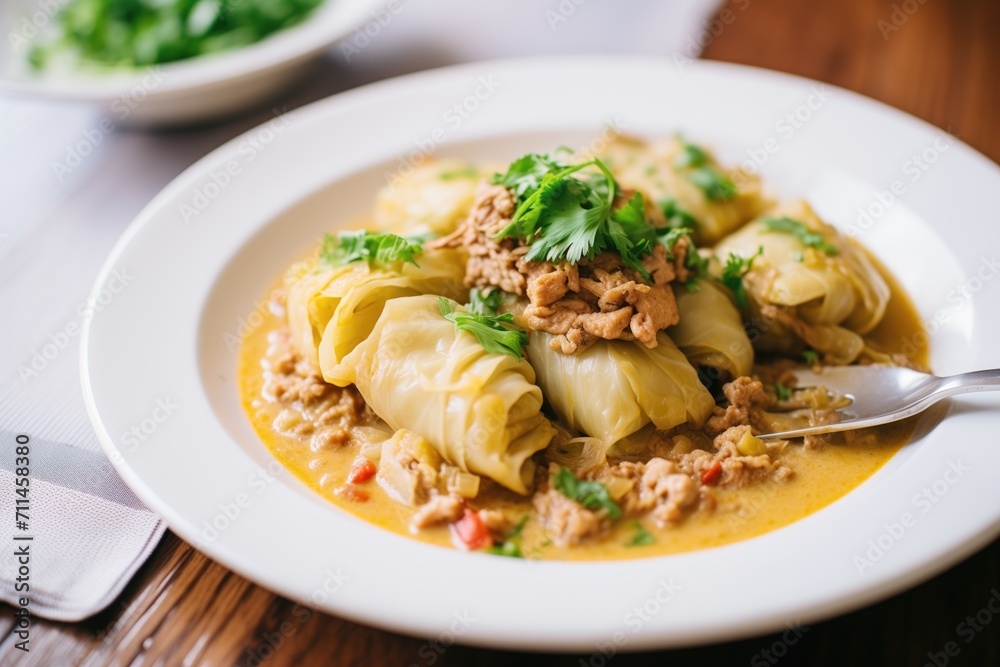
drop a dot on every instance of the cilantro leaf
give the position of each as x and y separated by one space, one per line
732 275
784 393
801 232
490 330
567 218
690 156
592 495
511 546
677 216
642 536
484 301
711 181
371 247
811 357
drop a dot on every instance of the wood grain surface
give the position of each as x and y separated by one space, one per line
939 62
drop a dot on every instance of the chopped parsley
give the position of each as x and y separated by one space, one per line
566 217
642 536
716 186
690 156
677 216
733 273
807 236
592 495
784 393
511 546
811 357
491 330
484 301
371 247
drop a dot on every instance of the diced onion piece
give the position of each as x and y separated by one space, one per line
750 445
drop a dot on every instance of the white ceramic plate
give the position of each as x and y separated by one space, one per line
187 91
192 279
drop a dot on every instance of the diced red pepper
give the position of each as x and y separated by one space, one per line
711 476
470 533
362 470
352 493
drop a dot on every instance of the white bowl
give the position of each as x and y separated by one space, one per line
209 245
184 92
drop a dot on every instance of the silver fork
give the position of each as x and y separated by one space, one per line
883 394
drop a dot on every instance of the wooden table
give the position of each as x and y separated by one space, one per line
939 63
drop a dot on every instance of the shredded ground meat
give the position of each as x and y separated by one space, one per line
579 304
566 521
437 511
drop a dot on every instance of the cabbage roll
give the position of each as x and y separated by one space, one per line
811 286
652 168
480 411
332 309
710 332
432 198
614 388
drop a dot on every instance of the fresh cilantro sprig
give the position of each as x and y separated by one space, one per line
592 495
807 236
811 357
491 330
735 270
690 156
484 301
371 247
565 217
642 536
511 546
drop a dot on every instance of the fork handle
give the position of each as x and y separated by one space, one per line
964 383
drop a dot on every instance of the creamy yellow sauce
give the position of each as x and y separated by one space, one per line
821 476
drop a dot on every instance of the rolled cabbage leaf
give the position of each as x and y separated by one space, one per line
330 310
650 168
614 388
480 411
431 198
710 331
828 301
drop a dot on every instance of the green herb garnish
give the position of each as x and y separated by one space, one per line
484 301
677 216
733 273
784 393
139 33
491 330
566 218
511 546
592 495
690 156
464 172
807 236
711 181
642 536
371 247
811 357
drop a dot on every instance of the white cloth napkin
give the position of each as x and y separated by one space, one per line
70 188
